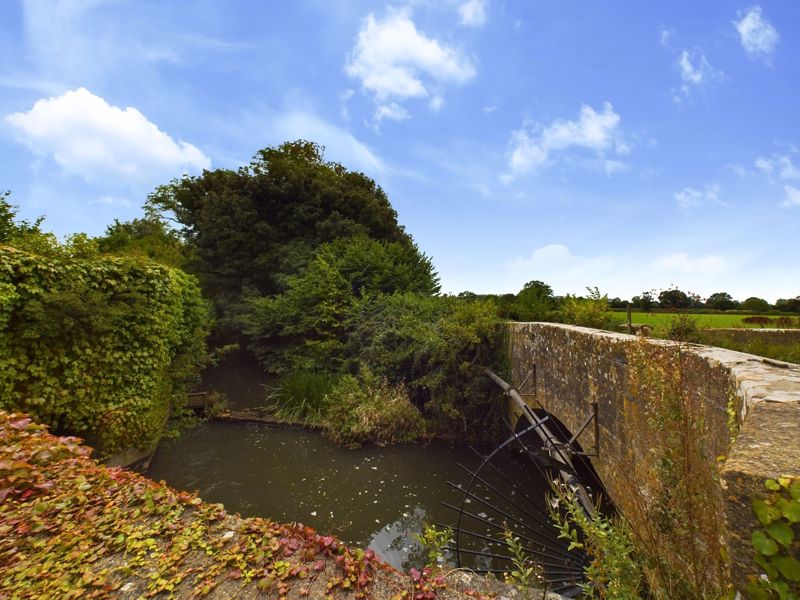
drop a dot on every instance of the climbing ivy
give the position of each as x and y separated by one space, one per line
777 543
100 347
72 529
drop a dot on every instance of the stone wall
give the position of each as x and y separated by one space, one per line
749 409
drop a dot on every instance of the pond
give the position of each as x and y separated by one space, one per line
377 497
371 496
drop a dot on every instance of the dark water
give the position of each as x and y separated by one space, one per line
241 379
376 497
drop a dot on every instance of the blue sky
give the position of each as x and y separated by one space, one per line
625 145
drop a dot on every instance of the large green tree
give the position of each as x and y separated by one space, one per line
721 301
252 228
535 302
674 298
756 304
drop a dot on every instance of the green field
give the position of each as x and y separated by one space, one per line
660 321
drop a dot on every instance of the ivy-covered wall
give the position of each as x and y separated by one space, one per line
100 347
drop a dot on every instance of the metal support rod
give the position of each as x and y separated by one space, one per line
549 440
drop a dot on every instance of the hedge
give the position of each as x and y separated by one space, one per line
99 347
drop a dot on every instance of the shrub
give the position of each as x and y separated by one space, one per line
683 328
757 320
100 347
591 311
612 571
367 408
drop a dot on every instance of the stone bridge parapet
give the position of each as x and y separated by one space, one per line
749 406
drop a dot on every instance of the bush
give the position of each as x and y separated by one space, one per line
367 408
683 328
611 570
591 311
100 347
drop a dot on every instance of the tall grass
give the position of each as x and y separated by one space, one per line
302 396
771 347
674 503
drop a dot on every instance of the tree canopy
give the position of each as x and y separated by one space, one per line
721 301
251 228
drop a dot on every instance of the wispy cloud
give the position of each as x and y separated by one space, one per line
778 166
665 35
87 136
792 197
756 34
392 111
682 262
559 267
473 13
112 201
696 73
690 197
534 146
395 62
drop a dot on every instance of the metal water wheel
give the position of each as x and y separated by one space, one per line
506 495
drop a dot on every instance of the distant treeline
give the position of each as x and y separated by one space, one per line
537 296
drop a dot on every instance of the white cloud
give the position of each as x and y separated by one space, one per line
614 166
690 197
664 36
681 262
792 196
533 146
564 271
738 169
473 13
392 111
696 72
757 35
394 61
779 165
89 137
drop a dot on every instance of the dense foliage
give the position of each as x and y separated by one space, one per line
305 327
427 349
101 347
149 237
436 347
249 229
777 542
